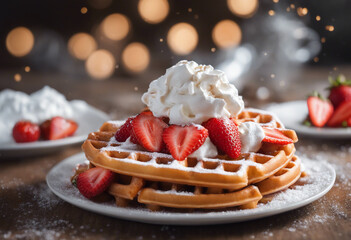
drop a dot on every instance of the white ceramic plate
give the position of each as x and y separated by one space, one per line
88 120
321 180
292 114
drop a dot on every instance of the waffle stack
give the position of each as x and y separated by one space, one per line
157 180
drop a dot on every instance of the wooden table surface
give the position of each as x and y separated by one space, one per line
29 210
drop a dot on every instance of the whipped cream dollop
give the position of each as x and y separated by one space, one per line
36 107
192 93
251 136
207 150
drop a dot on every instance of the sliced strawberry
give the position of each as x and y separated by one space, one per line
319 110
349 122
147 131
342 113
57 128
25 131
224 134
184 140
124 131
340 90
94 181
273 135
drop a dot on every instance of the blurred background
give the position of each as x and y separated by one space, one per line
106 52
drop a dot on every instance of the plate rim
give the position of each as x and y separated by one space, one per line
211 218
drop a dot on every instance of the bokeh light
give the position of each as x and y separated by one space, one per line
81 45
27 68
136 57
302 11
153 11
17 77
84 10
20 41
100 64
243 8
182 38
116 26
226 33
329 28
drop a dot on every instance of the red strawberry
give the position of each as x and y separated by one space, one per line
147 131
349 122
94 181
124 131
184 140
225 135
342 113
273 135
340 90
320 110
25 131
57 128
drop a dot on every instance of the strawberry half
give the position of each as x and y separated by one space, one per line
225 135
94 181
320 110
273 135
342 113
57 128
340 90
348 122
124 131
184 140
25 131
147 131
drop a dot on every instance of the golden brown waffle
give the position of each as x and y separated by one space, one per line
163 194
156 179
183 196
264 118
282 179
102 150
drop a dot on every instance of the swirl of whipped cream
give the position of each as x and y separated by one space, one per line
192 93
251 136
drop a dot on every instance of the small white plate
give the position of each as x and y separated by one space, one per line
320 181
293 114
88 120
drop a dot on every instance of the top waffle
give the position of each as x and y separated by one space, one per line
102 150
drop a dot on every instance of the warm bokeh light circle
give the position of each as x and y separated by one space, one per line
226 34
182 38
20 41
100 64
81 45
115 26
136 57
243 8
153 11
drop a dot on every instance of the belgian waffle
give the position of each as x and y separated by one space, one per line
182 196
156 179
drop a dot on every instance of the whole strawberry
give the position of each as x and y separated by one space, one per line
25 131
225 135
340 90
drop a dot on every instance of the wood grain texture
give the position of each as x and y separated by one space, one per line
28 210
